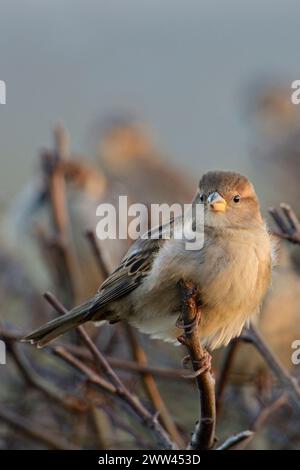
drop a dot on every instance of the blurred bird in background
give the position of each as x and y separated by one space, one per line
276 161
275 123
129 156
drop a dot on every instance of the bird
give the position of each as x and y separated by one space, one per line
129 157
231 271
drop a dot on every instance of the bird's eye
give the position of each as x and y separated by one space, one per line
202 197
236 198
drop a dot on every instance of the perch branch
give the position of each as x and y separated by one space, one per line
204 433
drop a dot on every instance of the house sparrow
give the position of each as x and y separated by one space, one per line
232 272
131 158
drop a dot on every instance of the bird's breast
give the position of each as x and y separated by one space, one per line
232 278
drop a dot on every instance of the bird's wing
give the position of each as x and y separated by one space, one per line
134 267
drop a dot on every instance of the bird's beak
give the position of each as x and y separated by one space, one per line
216 202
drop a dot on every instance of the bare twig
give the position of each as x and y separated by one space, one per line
119 388
151 387
268 410
69 402
134 433
123 394
263 416
140 357
93 377
101 424
97 253
289 383
235 440
287 223
123 364
60 216
204 434
225 372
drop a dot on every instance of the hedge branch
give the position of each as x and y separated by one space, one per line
235 440
287 223
289 383
204 433
119 388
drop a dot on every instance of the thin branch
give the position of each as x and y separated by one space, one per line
119 388
101 424
60 216
289 383
151 387
134 433
204 434
287 223
69 402
268 410
228 360
263 416
233 441
123 364
140 357
87 371
97 253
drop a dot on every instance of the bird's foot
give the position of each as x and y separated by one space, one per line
201 366
182 340
188 327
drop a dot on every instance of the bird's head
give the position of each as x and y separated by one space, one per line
229 200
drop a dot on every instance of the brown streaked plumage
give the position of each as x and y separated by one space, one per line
232 272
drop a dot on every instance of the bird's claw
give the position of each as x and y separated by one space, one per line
188 327
204 365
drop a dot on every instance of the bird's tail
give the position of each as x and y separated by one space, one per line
58 326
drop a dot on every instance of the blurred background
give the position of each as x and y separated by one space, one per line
140 97
185 69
